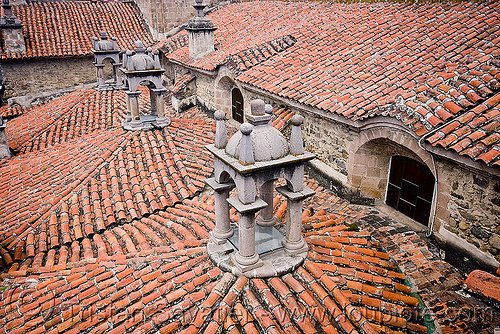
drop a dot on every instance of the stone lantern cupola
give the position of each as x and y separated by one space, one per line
200 33
106 49
251 161
12 30
139 67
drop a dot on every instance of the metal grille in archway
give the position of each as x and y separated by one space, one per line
410 188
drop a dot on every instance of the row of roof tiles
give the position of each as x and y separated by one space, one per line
348 284
66 28
364 60
79 168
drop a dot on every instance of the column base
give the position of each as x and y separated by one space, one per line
295 248
161 122
265 222
219 238
244 263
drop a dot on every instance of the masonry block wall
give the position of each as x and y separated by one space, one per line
474 206
36 76
13 39
165 15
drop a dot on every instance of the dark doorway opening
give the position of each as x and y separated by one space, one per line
237 105
410 188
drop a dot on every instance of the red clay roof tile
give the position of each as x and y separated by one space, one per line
66 28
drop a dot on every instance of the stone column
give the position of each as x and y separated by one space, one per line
159 106
100 75
116 75
266 215
152 98
128 117
222 229
246 258
293 241
134 108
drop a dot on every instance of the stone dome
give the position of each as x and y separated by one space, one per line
268 143
141 61
104 44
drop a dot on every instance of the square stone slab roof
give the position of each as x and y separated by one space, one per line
66 28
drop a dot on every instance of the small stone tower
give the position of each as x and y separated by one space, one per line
4 146
144 66
106 49
200 33
251 161
12 30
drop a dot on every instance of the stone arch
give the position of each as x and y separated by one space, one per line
369 158
223 88
369 162
224 84
109 71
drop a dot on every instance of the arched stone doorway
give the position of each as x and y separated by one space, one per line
237 105
410 188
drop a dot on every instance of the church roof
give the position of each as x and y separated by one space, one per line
105 230
425 64
66 28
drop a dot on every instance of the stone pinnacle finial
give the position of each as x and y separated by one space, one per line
104 35
220 129
246 149
199 8
269 109
257 107
296 142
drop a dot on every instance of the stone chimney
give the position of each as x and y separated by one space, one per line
201 33
12 30
4 146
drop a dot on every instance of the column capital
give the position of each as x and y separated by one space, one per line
134 93
219 187
247 208
295 196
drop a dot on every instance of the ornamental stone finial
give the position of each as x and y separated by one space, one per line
220 129
269 109
246 149
257 107
296 142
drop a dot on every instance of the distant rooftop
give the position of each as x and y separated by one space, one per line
66 28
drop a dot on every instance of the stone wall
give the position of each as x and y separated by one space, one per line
328 140
36 76
474 206
13 40
165 15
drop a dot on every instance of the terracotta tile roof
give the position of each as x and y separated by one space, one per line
7 112
154 274
248 58
463 111
424 64
372 53
181 83
281 117
66 28
79 153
